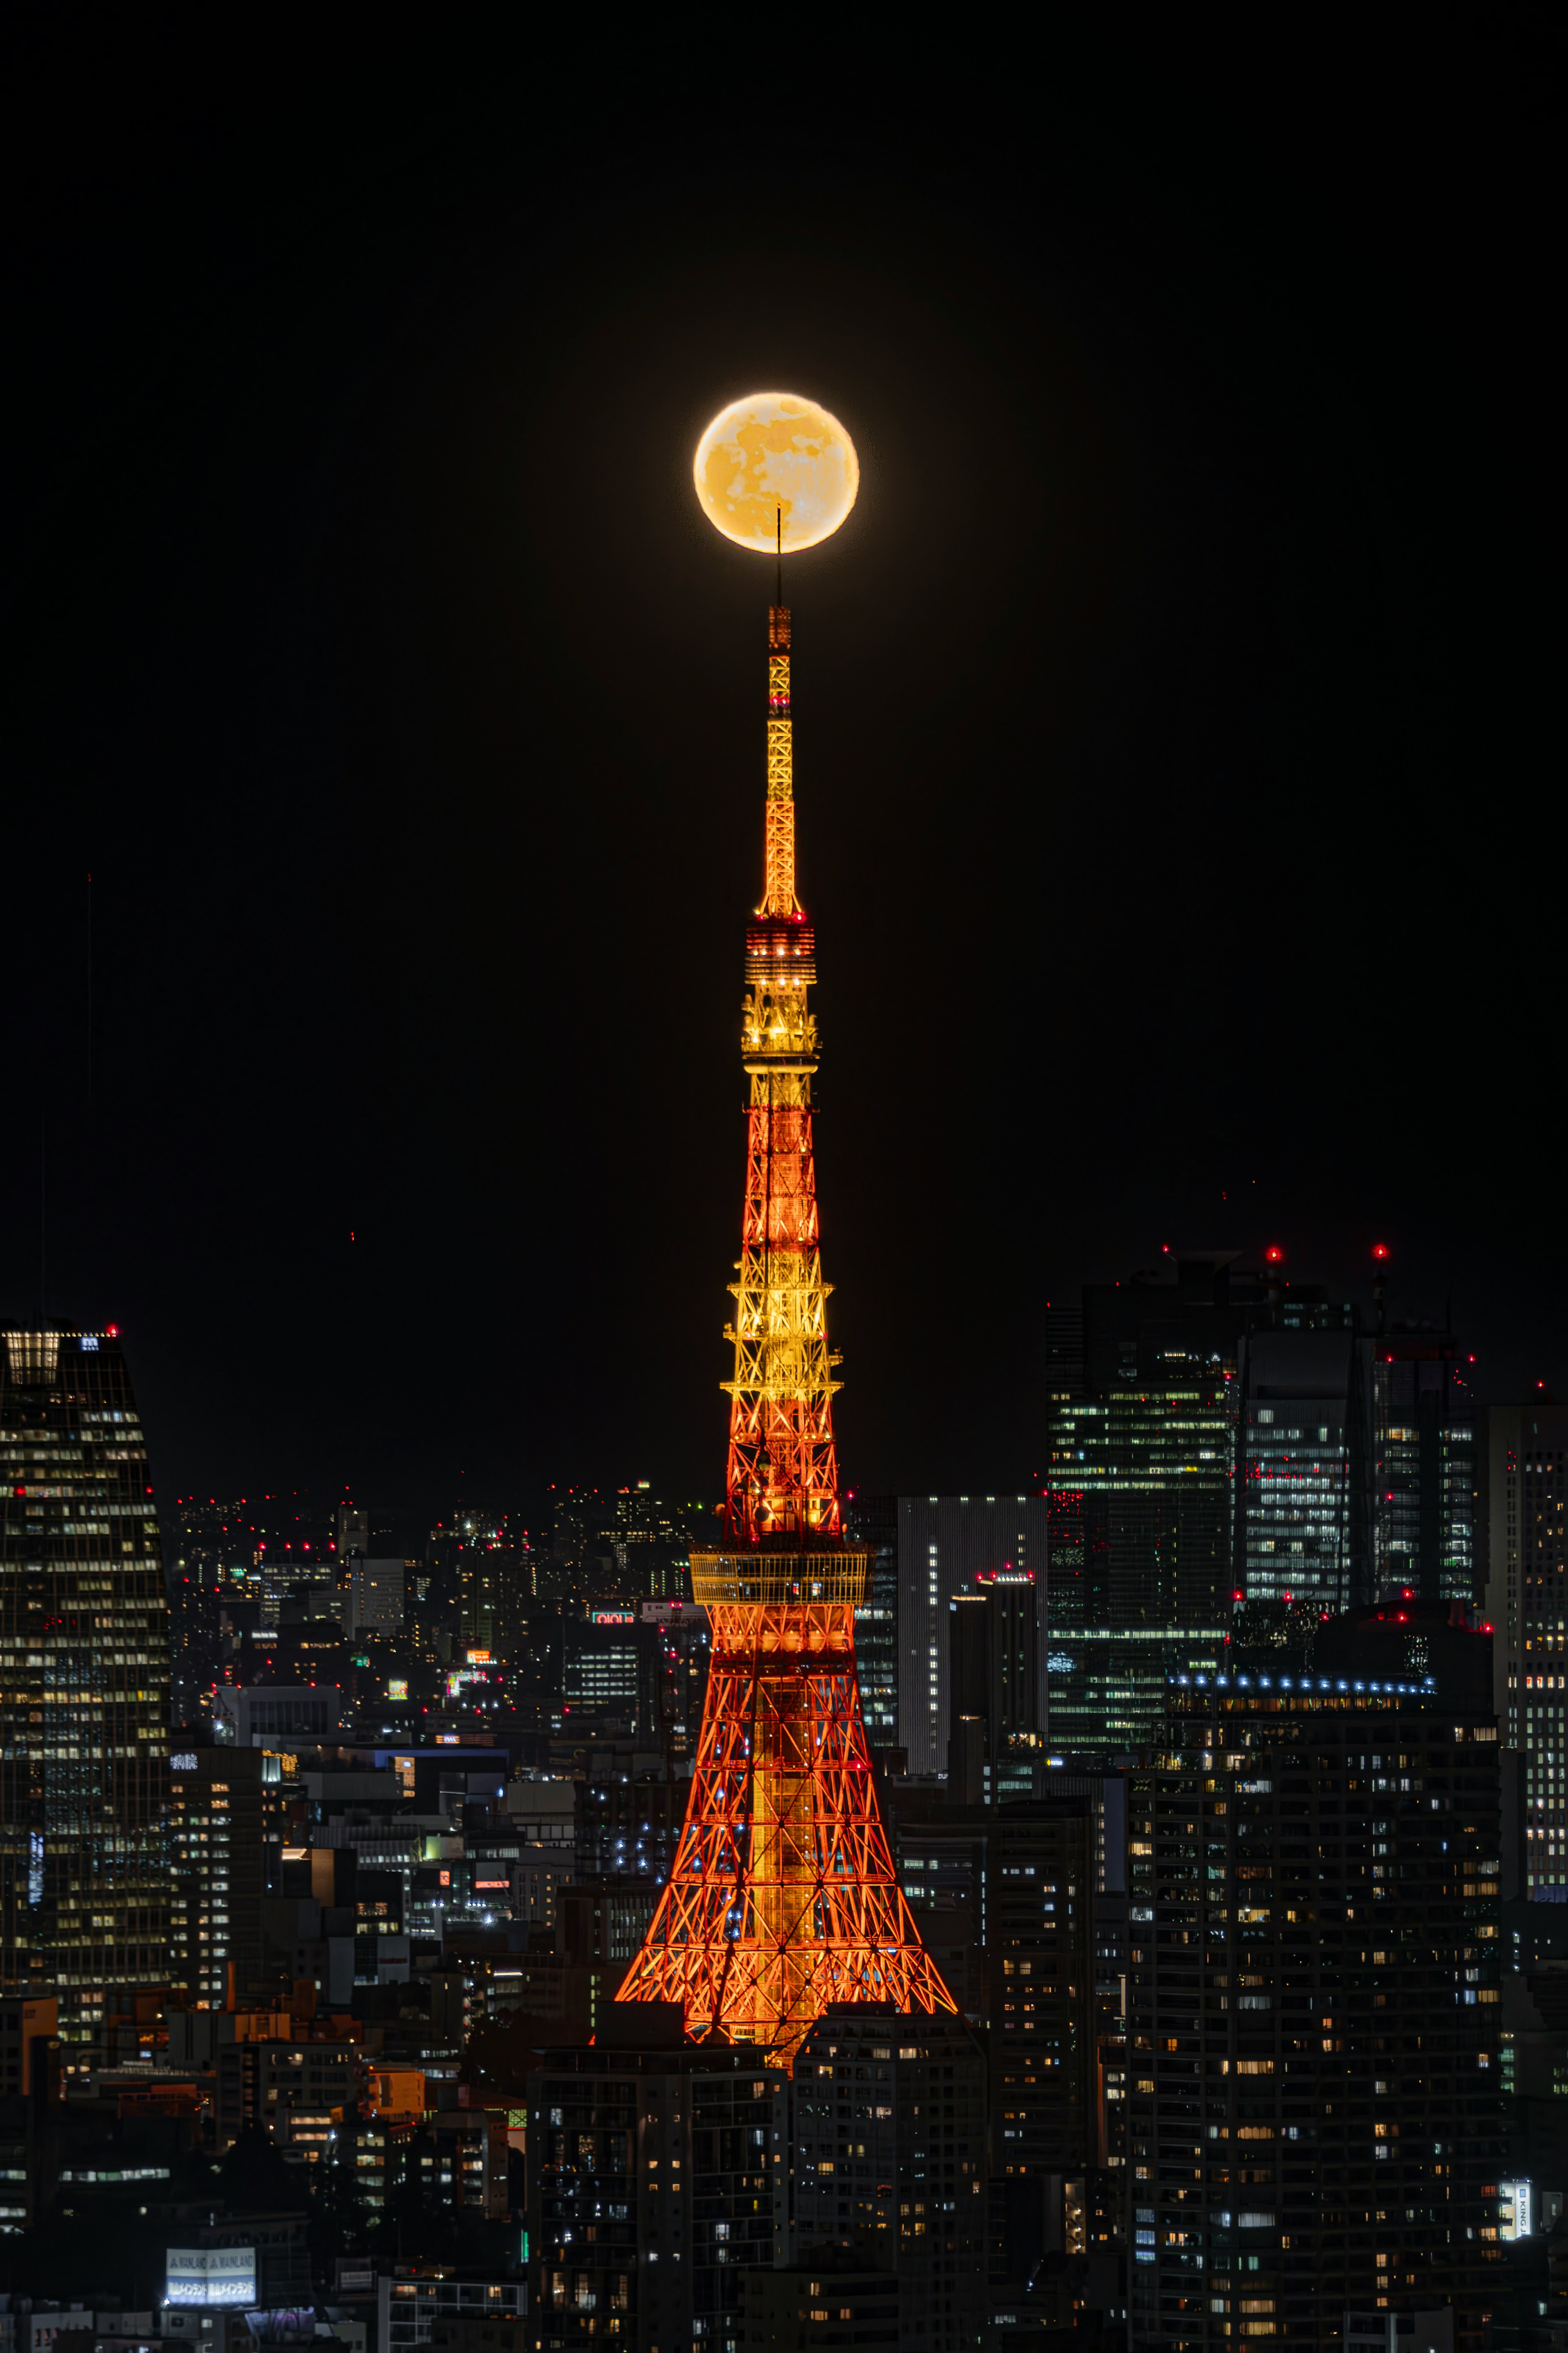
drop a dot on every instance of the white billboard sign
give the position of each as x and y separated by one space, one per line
211 2277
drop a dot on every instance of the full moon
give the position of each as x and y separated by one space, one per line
774 450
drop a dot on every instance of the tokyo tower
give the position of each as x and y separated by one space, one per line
783 1896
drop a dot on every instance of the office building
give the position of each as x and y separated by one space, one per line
1151 1469
218 1834
945 1543
1523 1531
415 2304
889 2157
1302 1511
1211 1443
374 1593
871 1523
1142 1491
84 1670
1424 1467
996 1729
1314 2013
610 1670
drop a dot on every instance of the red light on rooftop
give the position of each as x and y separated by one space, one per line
1486 1629
1380 1249
1239 1597
111 1330
1274 1255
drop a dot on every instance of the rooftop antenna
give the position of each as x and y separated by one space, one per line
779 599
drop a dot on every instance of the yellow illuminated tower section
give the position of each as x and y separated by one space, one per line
783 1896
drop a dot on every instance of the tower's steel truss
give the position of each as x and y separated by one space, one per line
782 1896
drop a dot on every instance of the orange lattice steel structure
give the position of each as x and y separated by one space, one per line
783 1896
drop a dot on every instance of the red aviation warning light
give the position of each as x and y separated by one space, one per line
783 1896
1274 1255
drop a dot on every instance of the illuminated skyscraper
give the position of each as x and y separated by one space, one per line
782 1898
84 1679
1524 1532
1424 1466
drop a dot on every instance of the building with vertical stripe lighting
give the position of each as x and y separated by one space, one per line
85 1873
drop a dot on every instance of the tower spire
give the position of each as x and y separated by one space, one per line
783 1896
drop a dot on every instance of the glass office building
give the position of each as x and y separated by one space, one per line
1424 1467
1303 1454
873 1521
1141 1509
85 1872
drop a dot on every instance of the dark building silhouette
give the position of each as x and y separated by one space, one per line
84 1634
652 2184
831 2296
1405 1640
887 2154
995 1687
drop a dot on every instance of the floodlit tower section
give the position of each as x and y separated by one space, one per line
783 1896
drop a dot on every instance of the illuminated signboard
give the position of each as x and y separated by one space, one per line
183 1761
397 1688
478 1658
613 1618
211 2277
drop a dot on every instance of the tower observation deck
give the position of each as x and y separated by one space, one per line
783 1896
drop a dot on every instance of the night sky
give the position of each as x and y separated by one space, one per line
1185 866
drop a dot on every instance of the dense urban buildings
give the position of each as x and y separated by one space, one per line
1129 1912
400 1899
1315 2120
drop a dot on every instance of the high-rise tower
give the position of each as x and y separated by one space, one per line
783 1896
84 1681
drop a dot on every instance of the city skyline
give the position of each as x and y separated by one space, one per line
1074 1844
